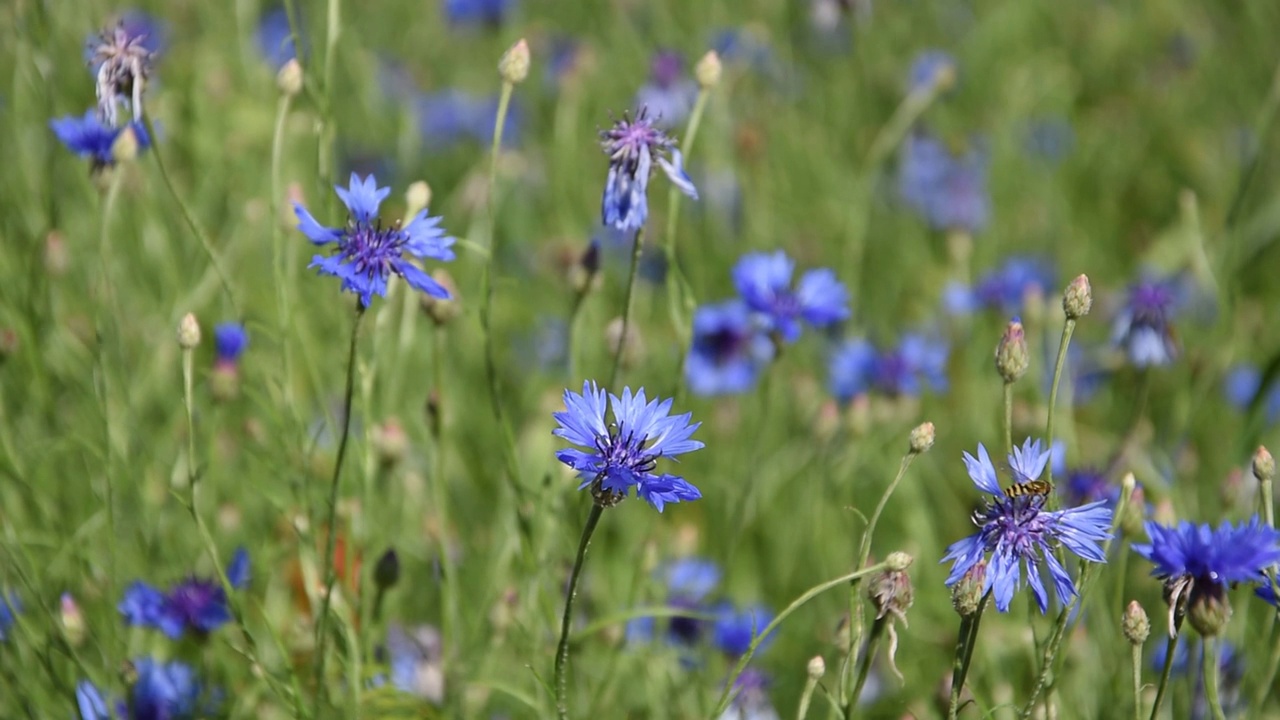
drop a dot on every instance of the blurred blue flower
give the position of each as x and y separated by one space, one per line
857 367
745 47
625 452
736 629
549 343
1004 288
670 93
368 253
164 691
448 117
728 350
490 13
763 281
90 702
146 31
1143 326
751 701
689 580
229 341
1208 557
1019 532
1230 670
89 138
10 607
932 67
948 191
565 58
416 658
692 577
1244 383
632 146
239 570
275 39
194 604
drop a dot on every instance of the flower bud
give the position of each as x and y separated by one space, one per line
125 148
708 70
1136 626
514 65
585 271
442 311
1209 610
188 332
922 438
72 620
390 443
1077 299
890 590
966 594
416 198
387 572
817 667
1012 358
898 561
1264 466
289 79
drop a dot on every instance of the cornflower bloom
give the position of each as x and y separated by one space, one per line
1004 288
632 146
689 580
89 138
763 280
1143 329
193 604
1197 563
736 629
1018 531
857 367
670 93
1243 386
161 691
947 190
368 253
728 350
416 658
229 341
624 453
123 63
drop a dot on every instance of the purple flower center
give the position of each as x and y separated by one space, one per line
1017 523
892 372
371 249
1150 304
622 450
684 628
666 69
629 139
200 604
724 345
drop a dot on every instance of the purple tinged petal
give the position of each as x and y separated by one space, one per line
362 198
419 280
238 570
982 472
317 233
823 298
676 174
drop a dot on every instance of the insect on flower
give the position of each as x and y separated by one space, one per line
1032 487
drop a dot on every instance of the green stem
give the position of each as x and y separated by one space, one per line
579 301
637 244
796 604
1136 654
450 627
677 284
190 219
325 151
1170 647
1273 663
1067 330
330 575
965 643
1008 418
864 667
1210 670
810 684
103 385
277 247
855 596
562 649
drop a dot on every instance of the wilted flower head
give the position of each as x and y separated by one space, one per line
858 367
735 629
670 93
632 146
763 281
122 61
89 138
229 341
193 604
1004 288
947 190
728 351
624 453
368 253
1019 532
1143 328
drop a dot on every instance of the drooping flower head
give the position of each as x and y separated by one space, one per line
193 604
763 281
1020 533
857 367
670 93
368 254
1197 563
1143 327
625 452
728 351
89 138
229 341
122 62
632 146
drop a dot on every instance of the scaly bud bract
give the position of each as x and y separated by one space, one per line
387 572
289 79
1077 299
966 595
1012 357
708 70
817 667
1136 626
922 437
1264 466
188 332
514 65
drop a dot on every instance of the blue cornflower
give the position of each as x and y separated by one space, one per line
857 367
1244 384
10 607
625 452
1019 531
669 95
89 138
728 350
632 146
90 702
735 629
229 341
367 253
763 281
416 657
275 39
931 68
1197 562
193 604
948 191
689 580
1142 328
1003 288
160 691
692 577
478 12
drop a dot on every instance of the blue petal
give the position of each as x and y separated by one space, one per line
238 570
90 702
982 472
317 233
419 280
362 198
676 174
